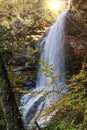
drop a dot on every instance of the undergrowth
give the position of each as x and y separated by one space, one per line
72 105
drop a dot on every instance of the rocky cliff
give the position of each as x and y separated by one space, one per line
76 35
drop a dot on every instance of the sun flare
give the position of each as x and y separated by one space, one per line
55 5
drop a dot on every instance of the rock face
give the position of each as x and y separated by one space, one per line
76 52
76 35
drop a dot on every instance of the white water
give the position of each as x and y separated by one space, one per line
53 53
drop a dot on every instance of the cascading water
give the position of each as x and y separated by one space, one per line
53 52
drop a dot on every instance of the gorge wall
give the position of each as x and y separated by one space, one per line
76 35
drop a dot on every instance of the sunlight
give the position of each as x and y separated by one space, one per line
55 4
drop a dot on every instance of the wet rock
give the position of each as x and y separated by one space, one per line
76 51
29 85
19 61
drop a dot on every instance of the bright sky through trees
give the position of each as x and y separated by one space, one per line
55 4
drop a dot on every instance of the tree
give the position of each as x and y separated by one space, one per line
8 102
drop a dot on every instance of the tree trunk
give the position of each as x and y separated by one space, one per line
8 102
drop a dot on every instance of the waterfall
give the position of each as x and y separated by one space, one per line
52 51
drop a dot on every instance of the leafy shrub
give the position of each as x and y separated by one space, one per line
71 106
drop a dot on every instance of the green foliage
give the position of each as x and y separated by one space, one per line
21 25
23 21
5 24
71 106
48 71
